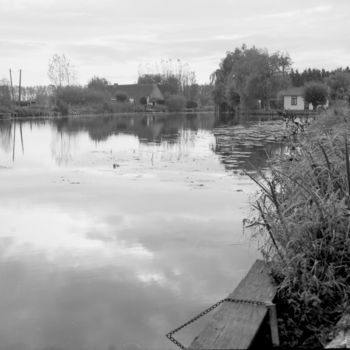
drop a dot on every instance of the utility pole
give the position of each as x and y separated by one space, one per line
20 83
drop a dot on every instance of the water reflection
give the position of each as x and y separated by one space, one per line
148 128
100 257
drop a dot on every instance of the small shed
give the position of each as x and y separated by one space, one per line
293 99
135 92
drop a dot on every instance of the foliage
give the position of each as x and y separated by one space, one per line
339 84
95 96
303 219
5 94
61 107
205 95
170 86
150 79
315 93
175 103
143 100
77 95
252 74
232 98
121 96
308 75
191 92
174 69
97 83
71 94
61 72
191 104
42 95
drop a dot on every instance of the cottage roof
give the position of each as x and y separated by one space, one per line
136 91
293 91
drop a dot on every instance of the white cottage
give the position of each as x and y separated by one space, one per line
293 99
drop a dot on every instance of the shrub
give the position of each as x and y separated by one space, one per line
143 100
95 96
73 95
191 104
303 216
61 107
175 103
107 107
121 96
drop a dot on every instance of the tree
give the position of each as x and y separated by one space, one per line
172 74
296 78
315 93
170 85
339 83
5 94
251 73
149 79
205 94
191 92
61 72
97 83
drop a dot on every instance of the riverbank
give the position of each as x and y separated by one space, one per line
303 224
90 110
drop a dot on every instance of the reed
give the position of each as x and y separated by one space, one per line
303 223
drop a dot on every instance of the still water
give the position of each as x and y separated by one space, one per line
116 230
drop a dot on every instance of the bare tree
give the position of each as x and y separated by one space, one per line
61 72
168 70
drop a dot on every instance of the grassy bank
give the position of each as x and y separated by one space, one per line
302 222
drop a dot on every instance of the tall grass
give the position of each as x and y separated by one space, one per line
303 220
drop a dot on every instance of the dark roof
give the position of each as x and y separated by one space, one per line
293 91
136 91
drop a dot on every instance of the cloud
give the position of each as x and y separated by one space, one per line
299 12
124 34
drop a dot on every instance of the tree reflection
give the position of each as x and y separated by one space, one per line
6 135
148 128
61 147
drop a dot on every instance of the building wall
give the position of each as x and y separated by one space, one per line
287 103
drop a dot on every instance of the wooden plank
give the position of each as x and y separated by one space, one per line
233 325
342 336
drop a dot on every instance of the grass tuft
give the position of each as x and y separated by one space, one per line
303 217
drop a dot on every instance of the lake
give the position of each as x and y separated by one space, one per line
116 230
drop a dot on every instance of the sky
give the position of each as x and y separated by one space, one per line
114 38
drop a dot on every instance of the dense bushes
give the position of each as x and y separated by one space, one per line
303 216
121 96
175 103
77 95
191 104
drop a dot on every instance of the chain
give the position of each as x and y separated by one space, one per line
231 300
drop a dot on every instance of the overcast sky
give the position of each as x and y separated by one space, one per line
111 38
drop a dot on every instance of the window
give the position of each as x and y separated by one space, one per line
294 100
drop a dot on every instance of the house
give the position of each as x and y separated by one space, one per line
293 99
137 91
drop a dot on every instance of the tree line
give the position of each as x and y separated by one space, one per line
251 78
174 78
247 78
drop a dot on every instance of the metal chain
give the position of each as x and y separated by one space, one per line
231 300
